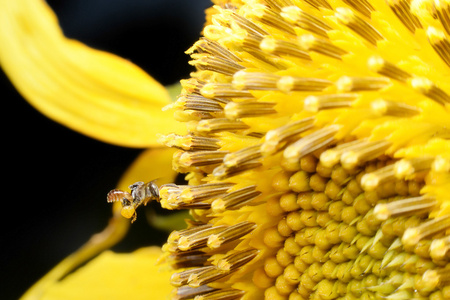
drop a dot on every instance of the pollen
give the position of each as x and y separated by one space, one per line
317 153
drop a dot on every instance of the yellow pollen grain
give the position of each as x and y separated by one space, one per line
291 246
283 228
281 181
261 280
284 286
299 182
272 293
320 201
272 238
305 200
273 207
284 258
272 268
294 222
288 202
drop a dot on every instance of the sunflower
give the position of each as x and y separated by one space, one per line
316 153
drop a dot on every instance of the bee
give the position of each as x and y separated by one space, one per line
140 193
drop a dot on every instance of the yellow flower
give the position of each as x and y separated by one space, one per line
317 153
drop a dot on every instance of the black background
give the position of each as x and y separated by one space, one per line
53 199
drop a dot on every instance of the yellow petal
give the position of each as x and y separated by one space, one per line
116 276
114 232
93 92
151 164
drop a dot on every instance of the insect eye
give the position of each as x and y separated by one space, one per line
127 211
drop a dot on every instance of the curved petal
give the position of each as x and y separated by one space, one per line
93 92
114 232
151 164
116 276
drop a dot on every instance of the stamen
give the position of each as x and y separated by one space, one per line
352 84
440 248
206 275
390 108
430 90
440 165
244 155
275 139
371 181
222 172
216 32
309 42
215 64
236 110
248 26
363 152
319 4
174 236
383 67
237 259
192 85
330 157
198 102
401 9
230 234
316 103
404 207
235 200
413 235
406 167
179 197
443 13
296 16
189 142
255 81
201 158
193 193
279 47
269 17
310 143
205 45
220 124
186 292
288 84
180 260
222 294
198 239
192 115
181 278
278 4
363 6
440 43
347 17
435 278
250 42
223 90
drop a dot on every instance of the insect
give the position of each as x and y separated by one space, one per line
141 193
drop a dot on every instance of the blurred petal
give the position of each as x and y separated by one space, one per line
151 164
93 92
116 276
113 233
